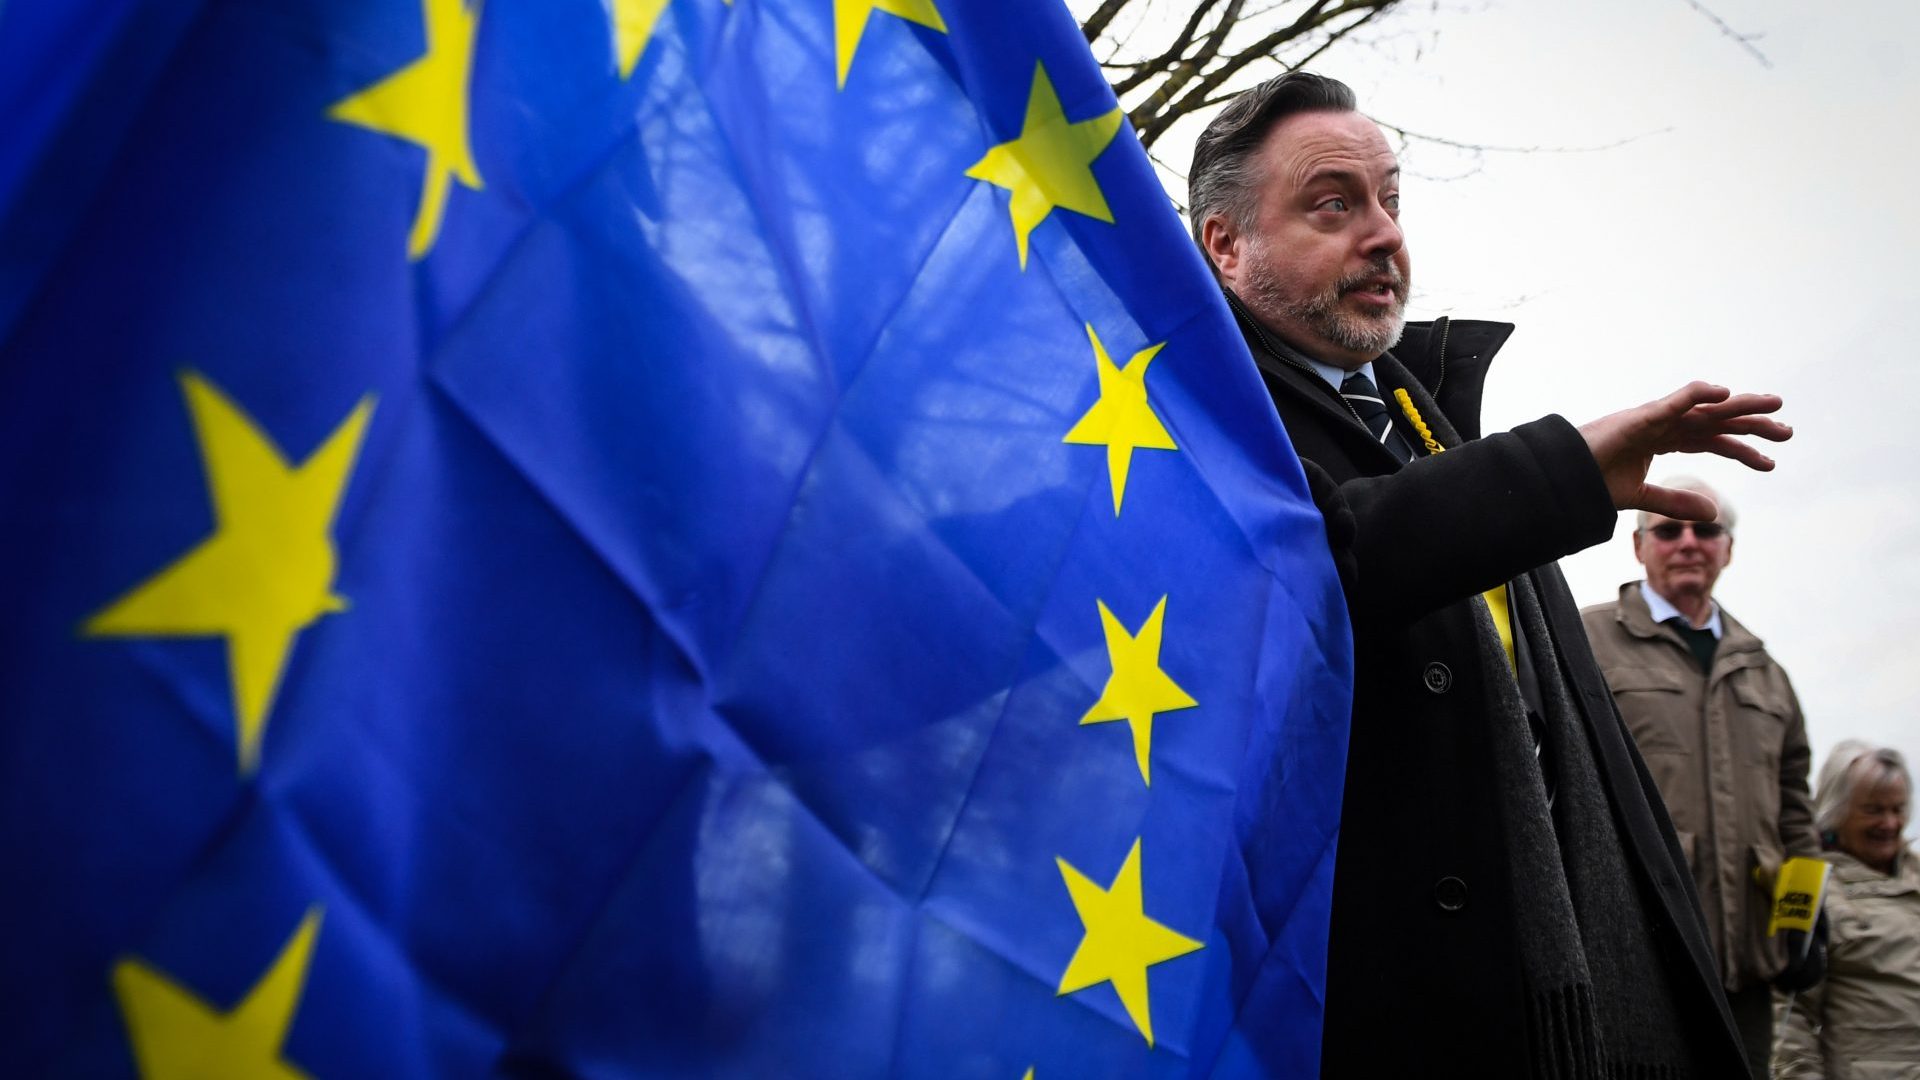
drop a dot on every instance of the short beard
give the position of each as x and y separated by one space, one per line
1322 312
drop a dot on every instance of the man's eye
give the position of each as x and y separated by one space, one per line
1337 205
1392 202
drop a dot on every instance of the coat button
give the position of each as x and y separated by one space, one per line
1437 677
1450 893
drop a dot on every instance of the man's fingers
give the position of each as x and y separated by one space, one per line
1697 418
1692 395
1743 452
1742 414
1674 503
1758 426
1742 405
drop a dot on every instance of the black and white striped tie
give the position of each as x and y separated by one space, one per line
1372 410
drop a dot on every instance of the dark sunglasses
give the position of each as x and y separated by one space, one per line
1669 531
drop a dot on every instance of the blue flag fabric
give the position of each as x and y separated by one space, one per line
579 539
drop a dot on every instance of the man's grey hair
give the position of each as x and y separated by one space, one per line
1850 766
1225 177
1687 483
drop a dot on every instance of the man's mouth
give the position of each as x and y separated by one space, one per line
1380 290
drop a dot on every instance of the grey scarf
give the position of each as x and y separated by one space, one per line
1600 1003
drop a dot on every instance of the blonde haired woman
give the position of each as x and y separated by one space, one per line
1863 1023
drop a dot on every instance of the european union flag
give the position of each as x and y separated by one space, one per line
637 538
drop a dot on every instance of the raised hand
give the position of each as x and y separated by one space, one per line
1697 418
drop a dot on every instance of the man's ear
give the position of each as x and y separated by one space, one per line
1222 245
1637 557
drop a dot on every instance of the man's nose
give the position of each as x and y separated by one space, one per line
1382 236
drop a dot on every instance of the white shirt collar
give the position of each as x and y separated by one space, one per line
1661 611
1337 375
1334 375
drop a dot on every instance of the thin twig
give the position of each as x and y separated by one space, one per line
1490 148
1160 166
1745 41
1332 39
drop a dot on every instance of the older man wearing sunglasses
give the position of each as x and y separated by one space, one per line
1718 724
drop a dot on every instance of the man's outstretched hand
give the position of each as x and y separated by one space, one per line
1697 418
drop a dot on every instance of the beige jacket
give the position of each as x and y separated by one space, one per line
1863 1023
1728 751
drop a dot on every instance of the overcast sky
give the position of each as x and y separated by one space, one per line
1756 231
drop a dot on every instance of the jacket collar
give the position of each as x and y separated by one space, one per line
1905 876
1662 609
1284 369
1633 614
1449 357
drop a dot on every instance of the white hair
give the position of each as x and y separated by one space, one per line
1687 483
1850 766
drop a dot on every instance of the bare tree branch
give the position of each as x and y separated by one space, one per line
1315 17
1181 42
1745 41
1173 192
1493 148
1332 39
1096 23
1221 98
1194 56
1183 72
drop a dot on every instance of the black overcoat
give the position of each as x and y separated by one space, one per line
1424 977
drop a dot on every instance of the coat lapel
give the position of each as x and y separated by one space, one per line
1285 377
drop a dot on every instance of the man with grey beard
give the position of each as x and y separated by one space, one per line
1509 897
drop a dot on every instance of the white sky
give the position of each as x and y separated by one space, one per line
1755 235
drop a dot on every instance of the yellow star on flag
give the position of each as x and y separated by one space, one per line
632 28
1121 943
266 572
177 1035
1050 164
425 103
850 22
1121 420
1137 689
